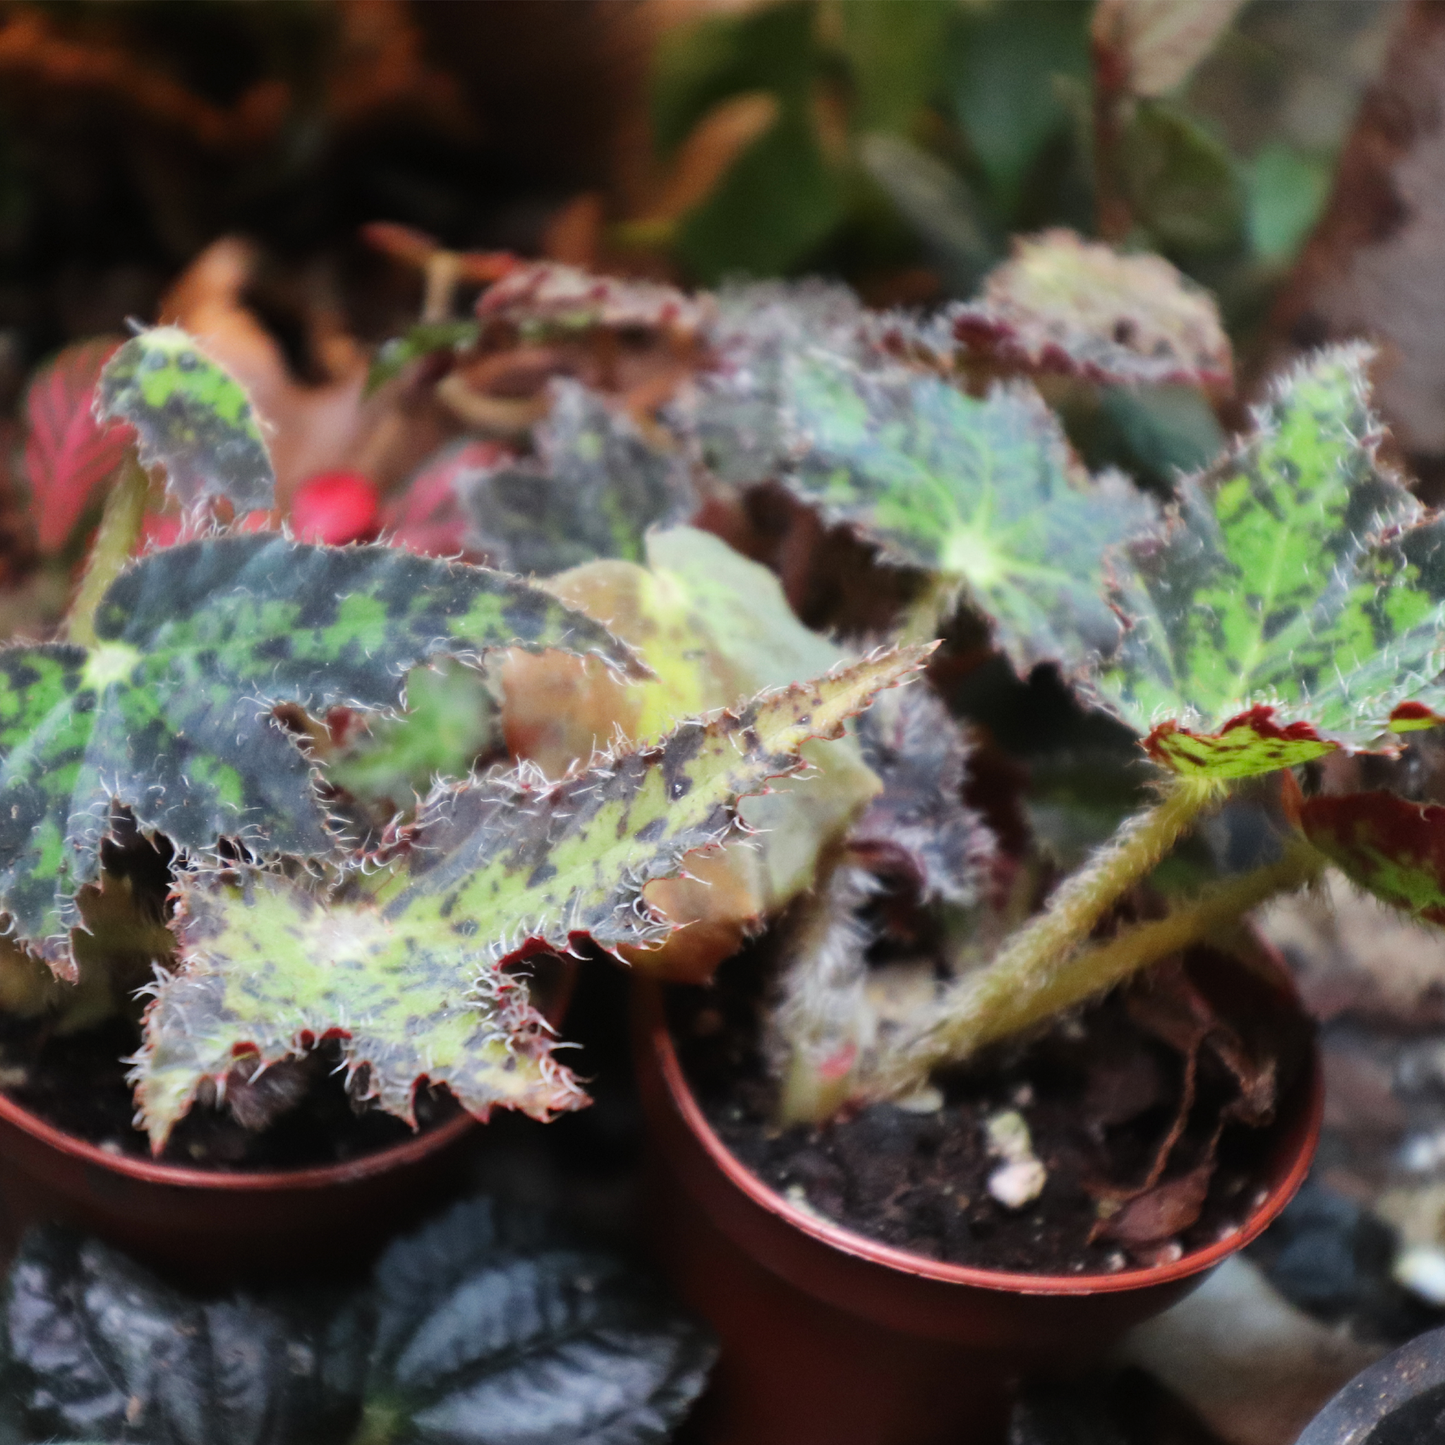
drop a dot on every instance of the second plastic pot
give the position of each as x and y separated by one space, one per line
831 1338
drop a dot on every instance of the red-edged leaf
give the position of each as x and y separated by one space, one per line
428 517
1393 848
68 454
1247 745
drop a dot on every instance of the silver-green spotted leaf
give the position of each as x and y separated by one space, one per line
171 713
982 493
593 490
1296 602
192 418
409 974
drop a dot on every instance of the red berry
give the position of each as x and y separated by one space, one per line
336 508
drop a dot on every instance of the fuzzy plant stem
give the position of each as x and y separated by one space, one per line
115 539
1035 957
1095 969
821 1026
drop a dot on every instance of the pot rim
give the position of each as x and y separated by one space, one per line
872 1251
259 1181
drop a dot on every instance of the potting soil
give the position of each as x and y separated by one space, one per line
1142 1162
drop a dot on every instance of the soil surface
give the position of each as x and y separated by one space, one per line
78 1083
1141 1168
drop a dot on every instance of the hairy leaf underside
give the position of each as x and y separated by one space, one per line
410 975
1079 308
171 712
1393 848
980 492
193 419
593 490
1285 612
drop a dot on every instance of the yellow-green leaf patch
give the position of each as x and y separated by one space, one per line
409 972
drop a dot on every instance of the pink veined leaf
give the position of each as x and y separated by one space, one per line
68 453
428 517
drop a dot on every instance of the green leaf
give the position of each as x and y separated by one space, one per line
594 488
1273 625
694 67
171 715
1285 190
936 202
492 1328
411 976
1179 180
426 338
1002 67
895 55
777 203
983 493
1393 848
193 419
1061 304
451 720
101 1349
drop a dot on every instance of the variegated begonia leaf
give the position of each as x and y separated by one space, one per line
983 493
1062 304
192 417
1392 847
919 824
733 409
409 974
715 628
1294 605
171 712
595 486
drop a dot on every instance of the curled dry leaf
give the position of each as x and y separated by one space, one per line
1080 308
715 628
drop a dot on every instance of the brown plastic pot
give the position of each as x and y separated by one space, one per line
218 1228
831 1338
207 1226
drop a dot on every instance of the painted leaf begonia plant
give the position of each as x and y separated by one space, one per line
259 708
188 703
